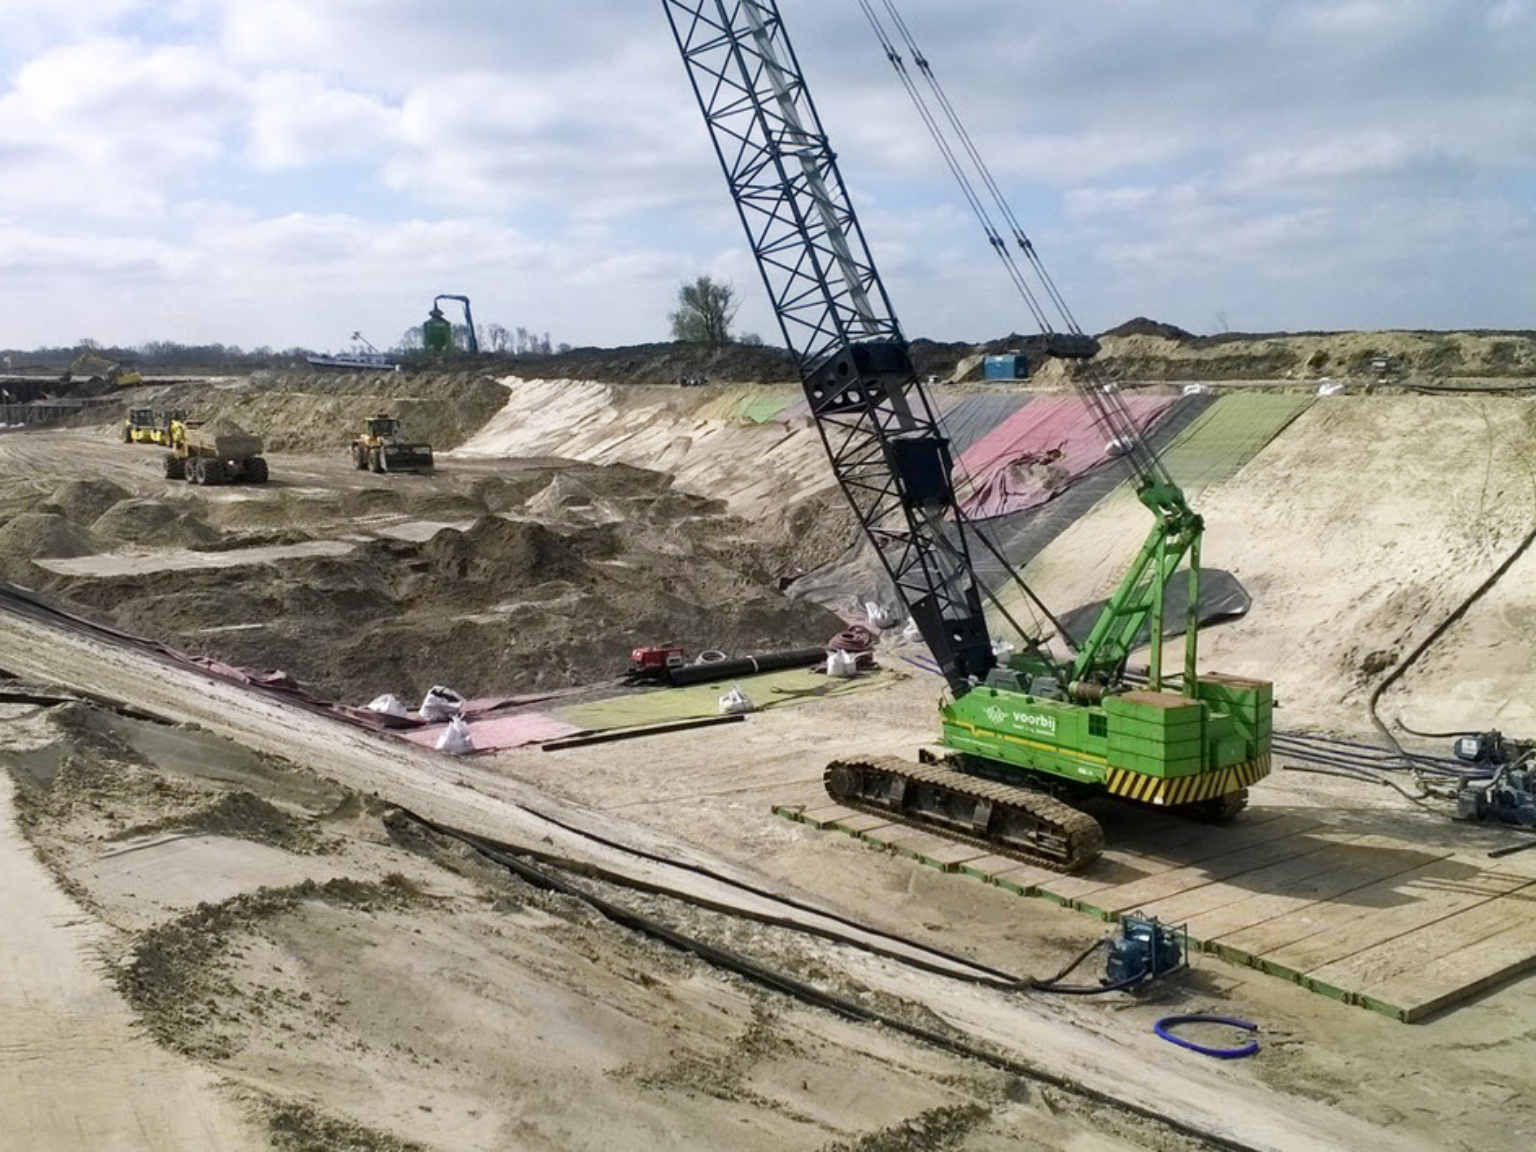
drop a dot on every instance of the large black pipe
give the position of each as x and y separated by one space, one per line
746 666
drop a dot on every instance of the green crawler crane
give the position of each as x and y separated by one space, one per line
1025 738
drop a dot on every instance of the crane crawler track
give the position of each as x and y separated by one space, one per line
1008 820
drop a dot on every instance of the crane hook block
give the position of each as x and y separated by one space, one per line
860 376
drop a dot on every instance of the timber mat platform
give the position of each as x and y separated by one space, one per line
1373 921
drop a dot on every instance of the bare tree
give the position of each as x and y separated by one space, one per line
495 338
705 312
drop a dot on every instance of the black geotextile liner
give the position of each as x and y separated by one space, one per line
1221 598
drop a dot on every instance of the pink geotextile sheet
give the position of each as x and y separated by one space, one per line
498 732
1039 451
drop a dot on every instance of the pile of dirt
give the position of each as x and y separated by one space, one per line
1147 352
153 522
591 562
37 536
83 501
1141 326
243 816
322 413
661 364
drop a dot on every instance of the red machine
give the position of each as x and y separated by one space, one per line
654 663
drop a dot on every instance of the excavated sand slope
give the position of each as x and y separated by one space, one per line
1358 530
1360 527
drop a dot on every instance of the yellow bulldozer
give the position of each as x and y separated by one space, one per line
383 447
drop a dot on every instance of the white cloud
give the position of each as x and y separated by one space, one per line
106 127
174 162
297 119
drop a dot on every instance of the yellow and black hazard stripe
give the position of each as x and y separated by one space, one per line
1186 789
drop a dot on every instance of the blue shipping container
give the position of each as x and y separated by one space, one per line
1010 367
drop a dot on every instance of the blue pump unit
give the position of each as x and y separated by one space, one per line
1145 949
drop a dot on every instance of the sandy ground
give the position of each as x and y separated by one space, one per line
1079 1041
349 985
78 1072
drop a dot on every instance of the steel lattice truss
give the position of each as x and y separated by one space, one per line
835 315
784 177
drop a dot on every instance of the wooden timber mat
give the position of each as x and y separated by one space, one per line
1373 921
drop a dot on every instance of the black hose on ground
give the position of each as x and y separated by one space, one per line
1432 735
1440 630
989 978
745 666
830 1001
1365 775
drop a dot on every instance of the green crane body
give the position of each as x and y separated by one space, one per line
1208 741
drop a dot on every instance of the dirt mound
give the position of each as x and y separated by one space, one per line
83 501
315 413
1141 326
505 605
661 364
153 522
502 552
37 536
1310 356
241 815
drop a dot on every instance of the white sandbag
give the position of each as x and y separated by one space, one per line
880 617
441 704
390 705
456 740
736 701
1197 389
1004 650
912 632
1118 447
842 665
1332 389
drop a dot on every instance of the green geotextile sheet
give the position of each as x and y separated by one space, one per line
1228 435
769 690
753 405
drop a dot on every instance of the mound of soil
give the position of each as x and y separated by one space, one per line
38 536
323 413
502 553
83 501
153 522
511 603
242 815
1141 326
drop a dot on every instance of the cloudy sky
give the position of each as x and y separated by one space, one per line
282 172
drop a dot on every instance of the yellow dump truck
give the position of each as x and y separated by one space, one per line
221 453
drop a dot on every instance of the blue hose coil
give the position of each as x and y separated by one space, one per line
1165 1026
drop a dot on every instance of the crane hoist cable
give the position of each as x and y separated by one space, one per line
1109 411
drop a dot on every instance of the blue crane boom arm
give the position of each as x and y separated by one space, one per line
469 321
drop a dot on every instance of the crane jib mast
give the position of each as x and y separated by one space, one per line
880 430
